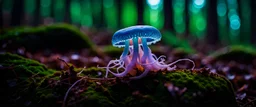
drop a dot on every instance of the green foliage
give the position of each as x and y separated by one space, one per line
56 36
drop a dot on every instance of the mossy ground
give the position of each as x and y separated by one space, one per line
60 37
37 85
240 53
22 81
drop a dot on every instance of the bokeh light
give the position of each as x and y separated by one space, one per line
234 22
153 14
221 9
154 4
198 3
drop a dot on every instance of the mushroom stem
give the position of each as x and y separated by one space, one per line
133 62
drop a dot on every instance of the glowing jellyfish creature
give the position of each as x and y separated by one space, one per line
135 40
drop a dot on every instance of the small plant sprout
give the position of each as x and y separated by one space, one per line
137 54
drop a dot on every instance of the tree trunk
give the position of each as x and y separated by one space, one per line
1 14
37 18
253 17
67 11
168 19
140 7
119 12
212 32
17 14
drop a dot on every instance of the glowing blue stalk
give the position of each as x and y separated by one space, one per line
144 45
126 49
145 50
135 49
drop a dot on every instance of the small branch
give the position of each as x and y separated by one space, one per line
249 102
64 62
86 78
66 95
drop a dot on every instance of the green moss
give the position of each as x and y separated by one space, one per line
215 89
56 36
24 80
16 65
202 89
239 53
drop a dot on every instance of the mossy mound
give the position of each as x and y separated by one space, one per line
23 80
57 36
38 86
238 53
164 89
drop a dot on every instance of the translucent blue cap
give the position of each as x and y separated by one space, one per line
151 34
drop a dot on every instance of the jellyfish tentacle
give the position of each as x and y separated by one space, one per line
185 59
133 61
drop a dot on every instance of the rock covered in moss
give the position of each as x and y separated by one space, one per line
240 53
56 36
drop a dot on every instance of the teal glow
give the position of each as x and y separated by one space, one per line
223 29
153 14
232 12
154 4
234 22
198 3
221 9
198 13
232 4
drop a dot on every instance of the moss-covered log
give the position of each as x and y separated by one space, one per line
239 53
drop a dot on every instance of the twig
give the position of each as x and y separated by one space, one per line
66 95
86 78
63 61
249 102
